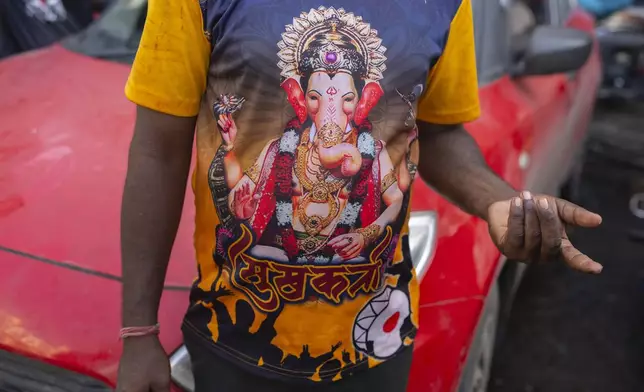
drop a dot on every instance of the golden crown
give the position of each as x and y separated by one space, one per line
330 40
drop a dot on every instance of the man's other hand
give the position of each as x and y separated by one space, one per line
144 366
532 228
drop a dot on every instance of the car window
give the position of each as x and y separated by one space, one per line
503 29
115 35
492 43
523 17
526 15
560 11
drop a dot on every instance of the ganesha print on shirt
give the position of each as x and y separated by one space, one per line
319 212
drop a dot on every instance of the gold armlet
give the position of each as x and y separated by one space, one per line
253 173
370 233
387 181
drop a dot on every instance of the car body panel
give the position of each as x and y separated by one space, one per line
66 127
70 318
65 132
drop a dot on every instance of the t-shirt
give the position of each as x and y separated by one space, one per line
306 152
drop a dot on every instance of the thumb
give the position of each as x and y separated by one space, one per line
573 214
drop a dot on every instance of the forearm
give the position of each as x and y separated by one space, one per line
452 164
151 210
393 198
388 216
233 169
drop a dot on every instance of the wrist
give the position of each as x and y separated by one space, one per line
139 318
139 344
370 233
139 331
502 193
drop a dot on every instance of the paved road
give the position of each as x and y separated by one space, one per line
574 333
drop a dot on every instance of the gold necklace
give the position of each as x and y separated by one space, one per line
314 224
321 189
319 192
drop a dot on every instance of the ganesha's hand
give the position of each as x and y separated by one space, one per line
228 129
348 246
244 202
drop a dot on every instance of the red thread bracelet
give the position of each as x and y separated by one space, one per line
130 332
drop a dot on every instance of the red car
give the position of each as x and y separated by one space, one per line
65 127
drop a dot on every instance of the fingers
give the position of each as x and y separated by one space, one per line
340 242
531 226
243 192
239 192
577 260
551 229
515 234
345 246
222 121
353 249
337 240
350 254
575 215
346 249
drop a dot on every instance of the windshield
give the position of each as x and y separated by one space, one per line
115 35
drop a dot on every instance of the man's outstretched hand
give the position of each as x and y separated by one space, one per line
532 228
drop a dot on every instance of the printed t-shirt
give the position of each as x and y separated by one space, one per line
306 153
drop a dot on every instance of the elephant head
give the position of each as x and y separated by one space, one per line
334 104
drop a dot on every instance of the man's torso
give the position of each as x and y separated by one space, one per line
306 153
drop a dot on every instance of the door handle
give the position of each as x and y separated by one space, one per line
524 160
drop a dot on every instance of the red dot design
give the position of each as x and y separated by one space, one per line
391 322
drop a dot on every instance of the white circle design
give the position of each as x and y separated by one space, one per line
376 331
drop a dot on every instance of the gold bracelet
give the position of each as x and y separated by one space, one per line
369 233
227 147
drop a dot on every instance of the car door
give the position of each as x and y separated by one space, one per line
549 99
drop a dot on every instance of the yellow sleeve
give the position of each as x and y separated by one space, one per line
171 65
452 87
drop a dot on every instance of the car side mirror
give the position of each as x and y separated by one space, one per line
551 50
